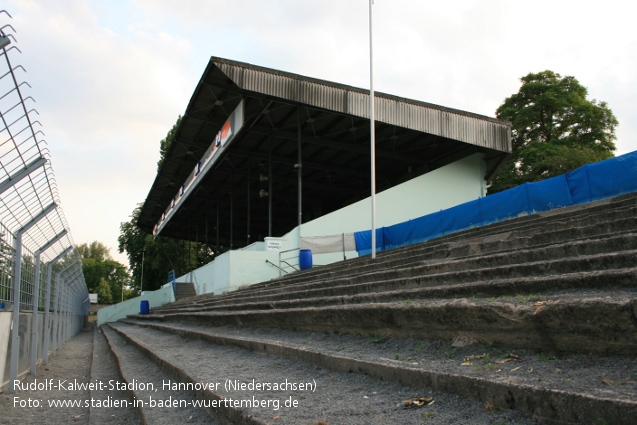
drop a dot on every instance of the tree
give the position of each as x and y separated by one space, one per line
98 267
104 292
160 255
555 129
95 250
165 143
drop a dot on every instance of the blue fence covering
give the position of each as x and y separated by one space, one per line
591 182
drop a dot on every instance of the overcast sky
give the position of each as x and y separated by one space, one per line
111 77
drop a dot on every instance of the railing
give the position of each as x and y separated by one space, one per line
40 269
288 262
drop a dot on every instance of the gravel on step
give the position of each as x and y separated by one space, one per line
599 376
338 398
104 369
145 379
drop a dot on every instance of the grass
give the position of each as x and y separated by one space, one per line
527 298
451 352
428 415
483 367
547 357
377 339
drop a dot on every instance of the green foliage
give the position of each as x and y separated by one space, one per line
95 250
165 143
160 255
99 268
547 357
555 129
378 339
103 291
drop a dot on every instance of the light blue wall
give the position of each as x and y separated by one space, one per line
233 269
443 188
118 311
451 185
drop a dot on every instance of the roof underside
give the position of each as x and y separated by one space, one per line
332 123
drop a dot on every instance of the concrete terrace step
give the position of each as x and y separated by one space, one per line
185 290
603 322
145 381
561 283
508 242
446 273
583 389
440 249
327 396
583 216
617 241
104 369
607 279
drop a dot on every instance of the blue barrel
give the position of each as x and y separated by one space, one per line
305 259
144 307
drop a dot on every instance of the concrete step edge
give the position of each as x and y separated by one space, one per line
574 325
617 278
223 413
553 405
480 256
382 277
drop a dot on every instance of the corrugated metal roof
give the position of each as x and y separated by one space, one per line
420 116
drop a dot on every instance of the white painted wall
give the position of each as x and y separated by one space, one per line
118 311
233 269
446 187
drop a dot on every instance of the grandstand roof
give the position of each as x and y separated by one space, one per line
278 112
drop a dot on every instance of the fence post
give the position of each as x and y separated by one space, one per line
15 337
47 303
36 302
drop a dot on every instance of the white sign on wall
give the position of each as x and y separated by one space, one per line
273 244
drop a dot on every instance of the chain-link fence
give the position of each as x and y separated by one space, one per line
41 280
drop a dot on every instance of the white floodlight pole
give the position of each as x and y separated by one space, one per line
141 279
372 128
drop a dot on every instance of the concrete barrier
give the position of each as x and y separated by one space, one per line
118 311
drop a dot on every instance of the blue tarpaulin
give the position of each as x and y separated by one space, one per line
588 183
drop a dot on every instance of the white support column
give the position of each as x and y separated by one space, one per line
372 138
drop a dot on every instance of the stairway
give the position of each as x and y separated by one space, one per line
530 319
185 290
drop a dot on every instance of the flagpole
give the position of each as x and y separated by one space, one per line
372 128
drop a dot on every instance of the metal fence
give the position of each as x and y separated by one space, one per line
41 280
